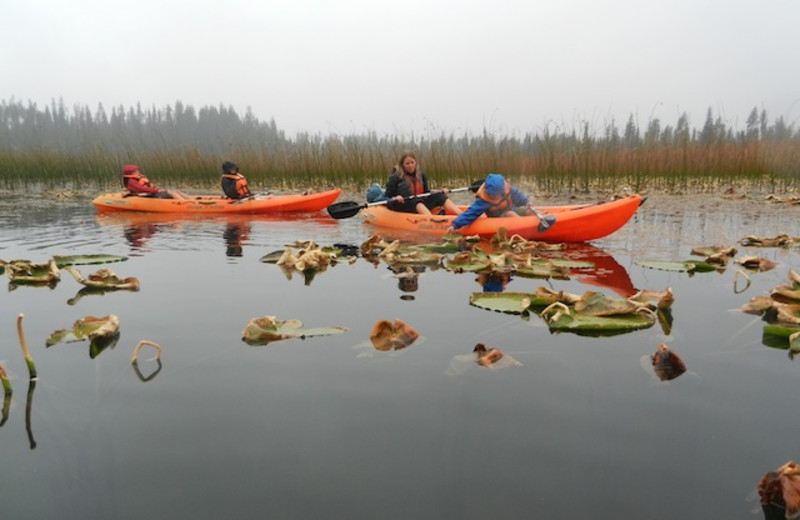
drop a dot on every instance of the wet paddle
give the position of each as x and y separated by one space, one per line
348 209
545 221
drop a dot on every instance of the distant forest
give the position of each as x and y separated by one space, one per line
77 147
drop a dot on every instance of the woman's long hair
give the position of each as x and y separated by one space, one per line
399 170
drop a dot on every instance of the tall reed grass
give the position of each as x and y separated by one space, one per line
85 151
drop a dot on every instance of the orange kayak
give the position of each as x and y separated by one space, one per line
578 223
258 204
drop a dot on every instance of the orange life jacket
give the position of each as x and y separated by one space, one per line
137 178
240 184
500 204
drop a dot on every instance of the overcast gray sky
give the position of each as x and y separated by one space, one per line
421 66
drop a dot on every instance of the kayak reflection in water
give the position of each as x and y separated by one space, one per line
235 235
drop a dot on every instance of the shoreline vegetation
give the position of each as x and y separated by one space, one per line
54 147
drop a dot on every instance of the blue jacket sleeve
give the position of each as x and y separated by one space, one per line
518 198
468 216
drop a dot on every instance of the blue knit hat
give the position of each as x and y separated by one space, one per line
494 184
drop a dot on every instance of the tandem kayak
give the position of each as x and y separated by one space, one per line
577 223
257 204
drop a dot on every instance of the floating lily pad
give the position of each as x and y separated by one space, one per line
62 261
104 279
561 318
507 302
89 327
688 266
23 272
266 329
467 261
102 333
600 325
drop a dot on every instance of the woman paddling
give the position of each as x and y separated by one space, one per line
407 180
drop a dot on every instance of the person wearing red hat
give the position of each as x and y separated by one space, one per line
138 184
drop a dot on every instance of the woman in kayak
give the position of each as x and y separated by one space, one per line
497 198
138 184
407 180
234 185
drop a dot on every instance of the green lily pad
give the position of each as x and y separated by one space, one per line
544 271
583 325
62 261
507 302
266 329
778 336
688 266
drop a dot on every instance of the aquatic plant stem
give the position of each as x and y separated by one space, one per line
5 381
24 346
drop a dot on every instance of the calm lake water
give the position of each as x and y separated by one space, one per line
329 427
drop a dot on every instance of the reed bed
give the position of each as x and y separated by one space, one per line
180 148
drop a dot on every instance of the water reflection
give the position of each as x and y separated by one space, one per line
408 279
607 272
140 228
235 235
493 281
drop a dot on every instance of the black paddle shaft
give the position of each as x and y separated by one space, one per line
348 209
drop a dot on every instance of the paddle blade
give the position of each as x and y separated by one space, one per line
544 221
345 209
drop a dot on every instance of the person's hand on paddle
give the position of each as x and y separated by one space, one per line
398 198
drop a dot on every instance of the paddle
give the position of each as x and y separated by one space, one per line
251 197
348 209
545 221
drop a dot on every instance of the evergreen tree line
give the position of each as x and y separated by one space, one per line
56 143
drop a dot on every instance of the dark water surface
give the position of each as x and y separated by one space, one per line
329 427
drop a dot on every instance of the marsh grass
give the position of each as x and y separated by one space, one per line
178 148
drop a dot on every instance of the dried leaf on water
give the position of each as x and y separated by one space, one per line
666 364
104 279
386 335
266 329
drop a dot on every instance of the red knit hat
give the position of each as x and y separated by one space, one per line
129 169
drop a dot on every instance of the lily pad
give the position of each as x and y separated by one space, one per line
687 266
266 329
63 261
104 279
23 272
507 302
102 333
89 327
468 261
564 319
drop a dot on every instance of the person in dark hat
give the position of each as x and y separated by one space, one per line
497 198
234 185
